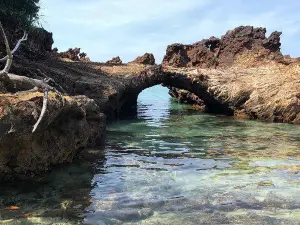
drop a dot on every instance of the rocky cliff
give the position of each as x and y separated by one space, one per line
243 41
242 74
244 71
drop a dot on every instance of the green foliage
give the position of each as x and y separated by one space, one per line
19 14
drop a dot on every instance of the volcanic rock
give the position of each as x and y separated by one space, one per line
214 52
186 97
68 126
72 54
115 60
146 59
243 72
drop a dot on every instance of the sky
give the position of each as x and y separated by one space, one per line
129 28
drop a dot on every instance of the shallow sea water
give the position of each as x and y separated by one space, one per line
170 165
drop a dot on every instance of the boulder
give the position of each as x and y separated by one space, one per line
146 59
69 125
72 54
115 60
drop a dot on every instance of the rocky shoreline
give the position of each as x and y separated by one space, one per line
242 74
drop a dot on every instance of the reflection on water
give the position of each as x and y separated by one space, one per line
173 166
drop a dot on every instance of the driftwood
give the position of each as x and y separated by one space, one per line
26 83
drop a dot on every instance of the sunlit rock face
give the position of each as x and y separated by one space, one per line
243 71
242 74
224 52
115 60
69 125
146 59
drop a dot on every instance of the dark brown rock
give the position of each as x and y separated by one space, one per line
38 45
273 42
40 40
214 52
146 59
67 128
115 60
72 54
176 55
187 97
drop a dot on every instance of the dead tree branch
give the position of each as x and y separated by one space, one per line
25 83
43 111
24 38
9 54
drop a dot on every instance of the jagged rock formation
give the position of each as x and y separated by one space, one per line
224 52
115 60
72 54
146 59
38 45
244 72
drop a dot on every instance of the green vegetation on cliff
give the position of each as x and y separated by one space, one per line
19 13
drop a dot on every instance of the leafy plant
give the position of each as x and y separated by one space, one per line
21 14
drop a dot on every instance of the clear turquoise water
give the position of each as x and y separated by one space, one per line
170 165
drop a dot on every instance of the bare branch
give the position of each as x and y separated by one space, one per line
24 38
9 54
26 83
43 111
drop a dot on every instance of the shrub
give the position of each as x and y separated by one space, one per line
19 14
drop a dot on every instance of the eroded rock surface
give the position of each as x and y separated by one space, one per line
73 54
115 60
187 97
242 74
146 59
70 124
224 52
243 71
